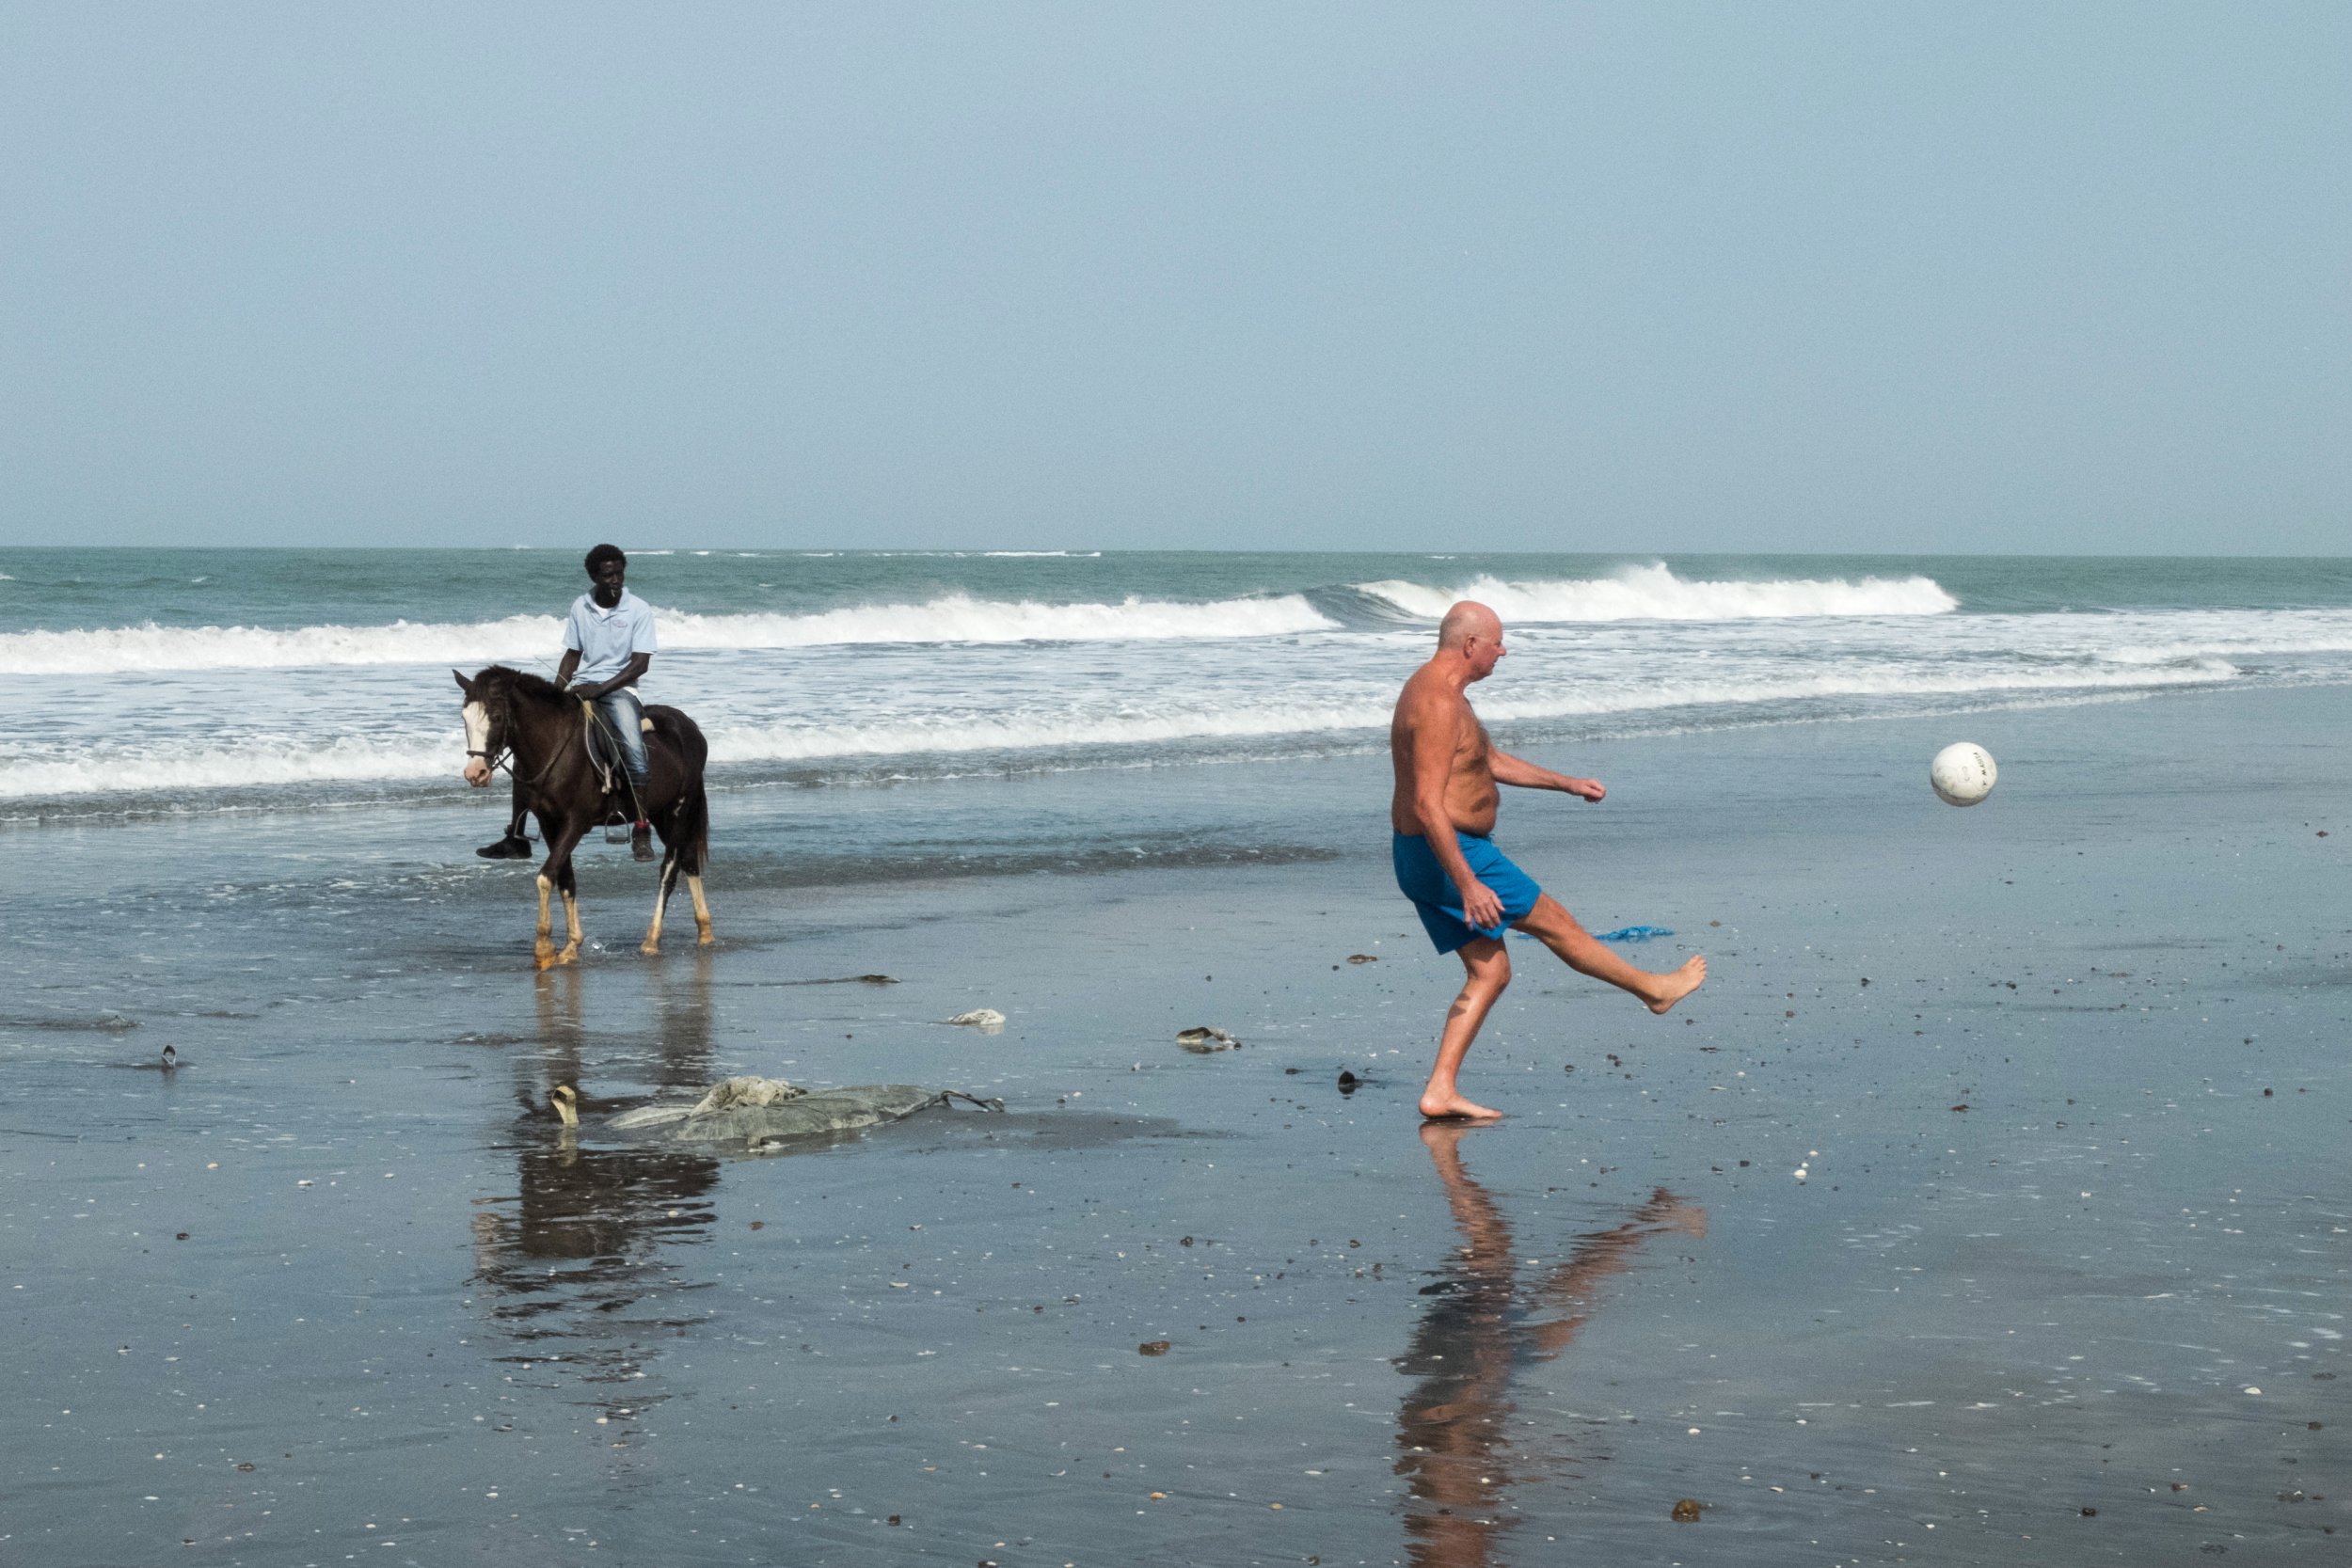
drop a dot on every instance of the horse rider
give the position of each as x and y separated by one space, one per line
608 646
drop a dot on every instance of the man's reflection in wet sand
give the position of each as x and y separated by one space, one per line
580 1263
1481 1328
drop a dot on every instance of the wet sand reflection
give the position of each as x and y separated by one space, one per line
581 1261
685 1020
1480 1329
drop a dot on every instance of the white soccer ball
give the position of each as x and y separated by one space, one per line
1962 773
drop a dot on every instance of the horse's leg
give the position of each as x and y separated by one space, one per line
694 831
542 950
557 872
568 884
663 885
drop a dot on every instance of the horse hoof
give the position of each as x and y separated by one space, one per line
705 940
651 949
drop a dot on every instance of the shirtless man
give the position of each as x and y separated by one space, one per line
1464 888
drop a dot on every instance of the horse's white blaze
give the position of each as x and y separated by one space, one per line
477 739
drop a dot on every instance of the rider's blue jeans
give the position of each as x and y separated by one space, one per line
621 710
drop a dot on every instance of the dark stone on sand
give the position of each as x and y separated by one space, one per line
2090 1514
1153 1347
1362 958
1686 1509
1349 1082
1962 1106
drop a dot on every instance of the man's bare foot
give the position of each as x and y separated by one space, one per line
1682 982
1452 1107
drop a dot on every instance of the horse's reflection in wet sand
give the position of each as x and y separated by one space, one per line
683 1007
583 1265
1480 1329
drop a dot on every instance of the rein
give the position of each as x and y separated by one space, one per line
501 755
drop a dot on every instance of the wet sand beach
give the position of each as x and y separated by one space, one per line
2064 1279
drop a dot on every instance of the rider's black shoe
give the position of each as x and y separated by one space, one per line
641 842
508 849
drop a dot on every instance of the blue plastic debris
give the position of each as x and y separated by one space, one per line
1623 933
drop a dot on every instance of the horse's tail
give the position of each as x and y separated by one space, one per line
702 828
694 808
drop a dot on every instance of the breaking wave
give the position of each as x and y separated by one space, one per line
809 743
181 770
275 763
1654 594
952 618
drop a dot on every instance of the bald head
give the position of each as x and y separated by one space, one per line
1467 620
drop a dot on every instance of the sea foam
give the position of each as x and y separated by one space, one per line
1348 718
1654 594
952 618
184 769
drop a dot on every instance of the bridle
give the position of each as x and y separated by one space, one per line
501 754
496 756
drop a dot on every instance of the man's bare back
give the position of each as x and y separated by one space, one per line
1448 779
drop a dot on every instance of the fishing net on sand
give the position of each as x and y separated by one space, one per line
755 1114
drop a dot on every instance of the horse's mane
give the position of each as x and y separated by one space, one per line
522 682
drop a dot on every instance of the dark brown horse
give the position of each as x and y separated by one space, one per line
540 731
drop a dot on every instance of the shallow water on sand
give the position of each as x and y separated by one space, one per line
336 1291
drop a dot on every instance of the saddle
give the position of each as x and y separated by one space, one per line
604 751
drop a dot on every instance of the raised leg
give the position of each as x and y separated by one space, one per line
571 928
1487 972
1557 929
702 908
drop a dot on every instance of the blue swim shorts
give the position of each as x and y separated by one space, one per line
1440 902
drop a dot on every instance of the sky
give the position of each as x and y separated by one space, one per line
1682 276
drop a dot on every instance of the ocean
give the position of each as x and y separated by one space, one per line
1987 1205
182 681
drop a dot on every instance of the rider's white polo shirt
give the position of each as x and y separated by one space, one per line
606 637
